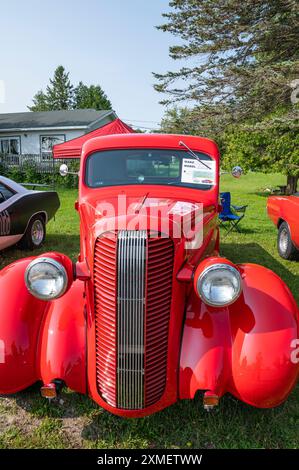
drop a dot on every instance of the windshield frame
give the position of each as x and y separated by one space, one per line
196 187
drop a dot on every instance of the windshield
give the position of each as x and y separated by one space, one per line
146 166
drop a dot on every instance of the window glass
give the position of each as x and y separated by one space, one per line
150 166
4 146
6 192
15 146
48 141
10 145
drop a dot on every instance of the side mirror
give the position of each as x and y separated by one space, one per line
237 172
63 170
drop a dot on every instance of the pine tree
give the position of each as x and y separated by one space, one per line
241 74
90 97
40 102
242 55
60 94
60 91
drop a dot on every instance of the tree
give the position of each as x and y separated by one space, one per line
241 75
178 121
40 102
265 147
90 97
209 121
60 91
239 59
60 94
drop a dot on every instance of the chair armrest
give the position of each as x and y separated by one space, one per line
240 208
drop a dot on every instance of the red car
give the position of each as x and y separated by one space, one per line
151 313
284 212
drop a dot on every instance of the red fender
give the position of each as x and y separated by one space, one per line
20 320
40 340
246 348
62 345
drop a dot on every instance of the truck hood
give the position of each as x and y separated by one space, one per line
179 218
121 212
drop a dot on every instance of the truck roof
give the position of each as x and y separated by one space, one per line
136 140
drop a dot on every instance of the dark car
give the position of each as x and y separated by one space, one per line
24 214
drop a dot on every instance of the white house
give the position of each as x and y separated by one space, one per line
36 133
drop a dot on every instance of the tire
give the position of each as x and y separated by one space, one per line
285 246
35 234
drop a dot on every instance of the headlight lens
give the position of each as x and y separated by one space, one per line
219 285
46 279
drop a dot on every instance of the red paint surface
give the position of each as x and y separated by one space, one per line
285 208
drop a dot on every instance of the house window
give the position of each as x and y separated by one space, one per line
10 145
47 142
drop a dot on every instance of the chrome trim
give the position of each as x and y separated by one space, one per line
54 263
283 240
131 269
215 267
37 232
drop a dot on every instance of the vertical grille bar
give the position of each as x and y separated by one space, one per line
131 261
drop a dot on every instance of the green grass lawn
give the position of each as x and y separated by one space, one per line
26 420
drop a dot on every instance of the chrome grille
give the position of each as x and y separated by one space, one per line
105 275
131 262
133 273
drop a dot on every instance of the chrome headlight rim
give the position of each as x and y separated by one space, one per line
215 267
58 266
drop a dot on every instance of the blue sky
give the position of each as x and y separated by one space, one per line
113 43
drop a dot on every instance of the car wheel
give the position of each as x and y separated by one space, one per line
285 246
35 234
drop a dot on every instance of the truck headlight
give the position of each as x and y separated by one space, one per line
219 285
46 278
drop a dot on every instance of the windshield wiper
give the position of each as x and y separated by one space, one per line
194 154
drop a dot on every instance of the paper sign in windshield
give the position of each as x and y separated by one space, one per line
184 208
195 172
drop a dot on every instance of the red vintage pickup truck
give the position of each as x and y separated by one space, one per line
151 313
284 212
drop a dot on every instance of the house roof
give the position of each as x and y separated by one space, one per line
88 119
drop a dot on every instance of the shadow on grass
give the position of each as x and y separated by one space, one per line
243 230
66 244
185 424
67 405
254 253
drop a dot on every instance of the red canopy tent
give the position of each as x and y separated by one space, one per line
72 148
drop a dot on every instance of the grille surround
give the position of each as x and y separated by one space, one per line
134 271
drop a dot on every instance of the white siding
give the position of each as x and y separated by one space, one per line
30 141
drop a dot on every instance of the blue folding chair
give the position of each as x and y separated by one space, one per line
228 214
